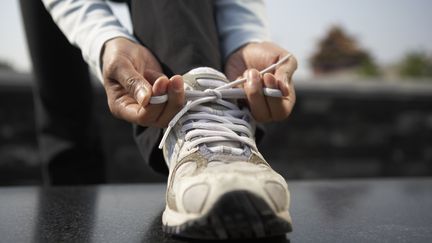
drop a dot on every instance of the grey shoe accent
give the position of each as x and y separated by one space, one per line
276 193
220 186
191 79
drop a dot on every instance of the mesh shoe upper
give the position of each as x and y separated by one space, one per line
211 150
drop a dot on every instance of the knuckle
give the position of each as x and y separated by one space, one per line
254 92
113 109
111 104
294 62
132 84
110 67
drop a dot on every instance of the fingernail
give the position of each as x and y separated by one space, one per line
270 81
177 85
140 96
160 85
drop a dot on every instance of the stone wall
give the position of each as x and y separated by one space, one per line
355 129
338 129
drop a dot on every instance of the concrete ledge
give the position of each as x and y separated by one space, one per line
337 129
378 89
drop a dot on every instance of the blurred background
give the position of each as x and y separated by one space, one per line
364 95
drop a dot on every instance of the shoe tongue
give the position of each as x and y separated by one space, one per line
203 78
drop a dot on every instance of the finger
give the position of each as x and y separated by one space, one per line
151 76
175 100
270 81
284 74
160 86
122 71
125 107
253 89
121 104
137 114
279 106
150 114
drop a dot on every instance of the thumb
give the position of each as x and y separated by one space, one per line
124 73
284 74
286 70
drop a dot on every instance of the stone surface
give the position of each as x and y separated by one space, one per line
323 211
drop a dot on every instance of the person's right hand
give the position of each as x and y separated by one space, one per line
131 76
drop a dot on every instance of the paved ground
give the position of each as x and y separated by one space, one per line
391 210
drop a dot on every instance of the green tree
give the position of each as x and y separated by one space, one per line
339 51
416 65
368 68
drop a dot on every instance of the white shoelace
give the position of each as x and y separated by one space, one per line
213 125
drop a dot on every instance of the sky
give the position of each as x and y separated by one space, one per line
387 28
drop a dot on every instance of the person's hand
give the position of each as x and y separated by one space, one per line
131 76
257 56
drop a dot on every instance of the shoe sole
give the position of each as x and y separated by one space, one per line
236 215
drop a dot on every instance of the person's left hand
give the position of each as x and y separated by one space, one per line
257 56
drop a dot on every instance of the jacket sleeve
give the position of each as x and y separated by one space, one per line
87 24
240 22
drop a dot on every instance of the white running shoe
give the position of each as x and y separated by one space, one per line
219 185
